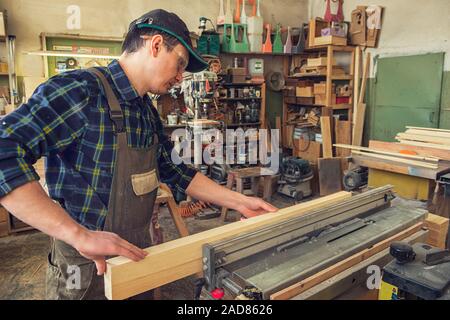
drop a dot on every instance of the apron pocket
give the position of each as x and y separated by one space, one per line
145 182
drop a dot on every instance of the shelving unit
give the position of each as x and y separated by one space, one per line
329 108
261 100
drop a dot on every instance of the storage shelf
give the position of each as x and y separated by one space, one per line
241 84
337 77
239 99
261 54
243 124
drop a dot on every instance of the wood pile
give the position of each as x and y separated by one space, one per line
425 137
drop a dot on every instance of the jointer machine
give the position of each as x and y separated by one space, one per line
258 264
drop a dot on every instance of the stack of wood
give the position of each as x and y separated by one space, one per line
425 137
421 166
313 117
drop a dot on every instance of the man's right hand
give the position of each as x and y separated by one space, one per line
95 245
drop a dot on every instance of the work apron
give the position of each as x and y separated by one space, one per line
133 192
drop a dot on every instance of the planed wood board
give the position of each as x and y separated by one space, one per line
180 258
325 125
423 138
421 151
423 144
398 160
358 129
396 154
428 129
428 133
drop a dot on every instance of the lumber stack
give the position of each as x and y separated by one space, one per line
420 166
425 137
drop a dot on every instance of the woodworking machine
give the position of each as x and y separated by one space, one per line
257 264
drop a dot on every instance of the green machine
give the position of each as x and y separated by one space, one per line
419 272
209 41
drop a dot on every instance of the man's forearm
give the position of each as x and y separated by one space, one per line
32 205
204 189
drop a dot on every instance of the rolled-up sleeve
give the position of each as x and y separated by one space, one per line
50 121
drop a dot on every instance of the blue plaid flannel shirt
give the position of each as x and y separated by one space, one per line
67 121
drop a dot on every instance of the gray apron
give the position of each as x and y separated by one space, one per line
133 193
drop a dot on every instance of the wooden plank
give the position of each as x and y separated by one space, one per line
424 138
180 258
421 151
396 154
330 175
424 144
325 125
428 133
358 130
366 71
343 134
343 265
308 150
429 129
356 84
329 82
438 227
397 160
394 167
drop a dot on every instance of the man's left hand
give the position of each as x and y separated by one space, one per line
251 207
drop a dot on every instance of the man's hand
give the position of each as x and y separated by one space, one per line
95 245
251 207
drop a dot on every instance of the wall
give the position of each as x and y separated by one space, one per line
408 26
28 18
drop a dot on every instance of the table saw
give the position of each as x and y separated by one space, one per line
258 264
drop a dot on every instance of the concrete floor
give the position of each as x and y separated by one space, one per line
23 258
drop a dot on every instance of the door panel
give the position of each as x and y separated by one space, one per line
407 93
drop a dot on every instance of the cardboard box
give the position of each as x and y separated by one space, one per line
238 79
321 99
319 62
305 92
321 88
305 100
237 71
3 67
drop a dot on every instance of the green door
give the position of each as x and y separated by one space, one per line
407 93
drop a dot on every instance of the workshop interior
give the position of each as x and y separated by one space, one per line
343 110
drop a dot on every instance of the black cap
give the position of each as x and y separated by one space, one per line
171 24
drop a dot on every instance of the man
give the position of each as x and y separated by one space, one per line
105 150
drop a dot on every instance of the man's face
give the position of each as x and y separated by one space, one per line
169 66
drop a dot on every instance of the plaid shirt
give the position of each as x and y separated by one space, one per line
67 121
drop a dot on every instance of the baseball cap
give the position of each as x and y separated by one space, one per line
171 24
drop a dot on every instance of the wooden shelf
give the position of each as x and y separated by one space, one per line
239 99
241 84
261 54
243 124
4 74
337 77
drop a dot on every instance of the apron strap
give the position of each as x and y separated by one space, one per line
115 111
